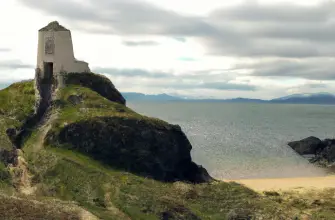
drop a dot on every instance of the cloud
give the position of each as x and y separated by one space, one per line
309 87
180 39
123 17
216 74
276 30
317 85
169 80
255 12
14 64
281 39
131 72
139 43
217 85
248 29
225 86
187 59
312 69
5 50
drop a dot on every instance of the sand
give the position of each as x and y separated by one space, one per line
286 184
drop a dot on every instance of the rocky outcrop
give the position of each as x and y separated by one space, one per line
323 151
160 151
17 170
7 157
310 145
97 83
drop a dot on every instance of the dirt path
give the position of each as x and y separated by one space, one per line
40 116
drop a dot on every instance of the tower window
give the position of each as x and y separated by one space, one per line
49 46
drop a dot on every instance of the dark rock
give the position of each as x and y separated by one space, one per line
239 214
328 153
75 99
310 145
97 83
160 151
179 212
271 193
323 151
7 157
11 133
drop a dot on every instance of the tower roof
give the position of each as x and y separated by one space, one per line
53 26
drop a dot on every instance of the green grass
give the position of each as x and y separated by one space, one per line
12 208
94 105
5 180
319 204
75 177
17 103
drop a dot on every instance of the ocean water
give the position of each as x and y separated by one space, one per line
238 141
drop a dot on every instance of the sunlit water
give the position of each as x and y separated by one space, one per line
235 141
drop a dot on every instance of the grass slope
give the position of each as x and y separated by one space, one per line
113 194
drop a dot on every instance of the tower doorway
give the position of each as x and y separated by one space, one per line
48 72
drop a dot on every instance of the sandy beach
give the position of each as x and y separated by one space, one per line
285 184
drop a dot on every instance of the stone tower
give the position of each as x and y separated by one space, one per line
55 54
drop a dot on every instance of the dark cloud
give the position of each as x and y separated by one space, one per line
313 69
278 30
139 43
124 17
255 12
14 64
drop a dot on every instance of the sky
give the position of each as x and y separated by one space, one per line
197 49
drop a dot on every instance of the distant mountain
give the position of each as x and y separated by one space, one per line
133 96
308 98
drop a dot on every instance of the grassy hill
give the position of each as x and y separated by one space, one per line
70 162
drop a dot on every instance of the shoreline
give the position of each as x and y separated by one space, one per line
287 184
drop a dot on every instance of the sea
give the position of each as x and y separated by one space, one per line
244 141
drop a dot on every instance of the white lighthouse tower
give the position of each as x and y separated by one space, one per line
55 54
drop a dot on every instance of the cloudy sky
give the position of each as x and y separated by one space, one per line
204 48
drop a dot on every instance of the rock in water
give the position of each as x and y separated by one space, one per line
310 145
323 151
328 153
157 150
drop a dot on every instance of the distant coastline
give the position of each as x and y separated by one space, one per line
316 98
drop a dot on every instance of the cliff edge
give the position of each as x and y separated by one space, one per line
94 120
109 162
